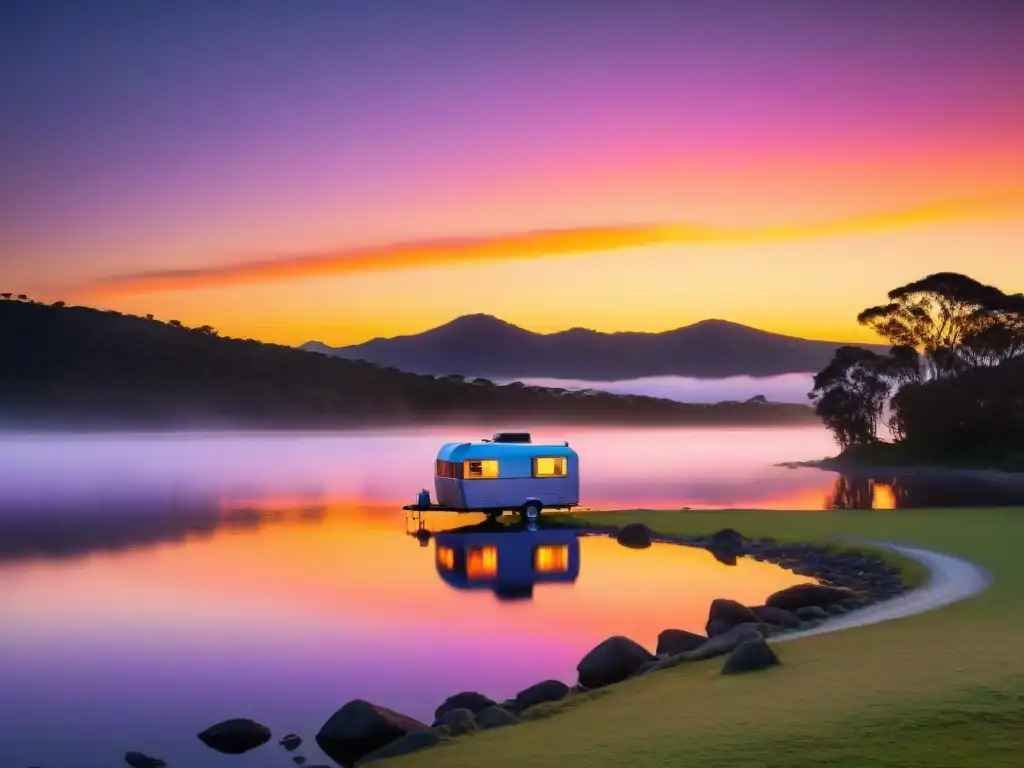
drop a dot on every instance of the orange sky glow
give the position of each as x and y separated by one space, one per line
782 169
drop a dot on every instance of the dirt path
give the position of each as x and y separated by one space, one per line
952 579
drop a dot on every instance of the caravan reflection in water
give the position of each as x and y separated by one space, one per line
507 560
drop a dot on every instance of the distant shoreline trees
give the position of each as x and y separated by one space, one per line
951 386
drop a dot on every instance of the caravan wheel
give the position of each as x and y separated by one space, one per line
531 512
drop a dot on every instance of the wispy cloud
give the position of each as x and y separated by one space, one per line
533 244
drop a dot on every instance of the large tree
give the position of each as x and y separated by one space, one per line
998 334
850 393
936 315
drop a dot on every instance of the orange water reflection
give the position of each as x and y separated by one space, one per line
551 558
357 561
482 562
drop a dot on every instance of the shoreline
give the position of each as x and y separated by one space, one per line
855 583
491 423
850 466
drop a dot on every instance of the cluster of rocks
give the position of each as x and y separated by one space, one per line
361 732
870 578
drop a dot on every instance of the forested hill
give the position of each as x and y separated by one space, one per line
76 367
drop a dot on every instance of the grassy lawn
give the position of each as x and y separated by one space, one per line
942 689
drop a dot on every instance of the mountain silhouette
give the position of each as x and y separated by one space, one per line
81 368
482 345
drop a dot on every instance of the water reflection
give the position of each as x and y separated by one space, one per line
112 524
508 560
910 489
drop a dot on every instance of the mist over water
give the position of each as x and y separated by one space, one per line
788 388
154 584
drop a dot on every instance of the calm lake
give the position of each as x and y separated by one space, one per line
151 586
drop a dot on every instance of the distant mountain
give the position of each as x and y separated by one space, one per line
481 345
75 367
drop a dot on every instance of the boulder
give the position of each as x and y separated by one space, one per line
141 760
634 535
360 727
810 612
802 595
458 721
494 717
612 661
236 736
725 643
291 742
726 614
470 700
298 760
413 741
750 655
724 556
675 641
776 616
541 693
728 540
836 609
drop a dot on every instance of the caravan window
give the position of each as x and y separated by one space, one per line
551 558
482 562
550 466
480 468
446 558
449 469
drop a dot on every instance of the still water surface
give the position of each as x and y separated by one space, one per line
153 585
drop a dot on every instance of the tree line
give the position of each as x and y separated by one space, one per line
950 388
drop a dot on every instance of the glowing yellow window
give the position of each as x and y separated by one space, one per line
481 468
551 558
482 562
446 558
550 466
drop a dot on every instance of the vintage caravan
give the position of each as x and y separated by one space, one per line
506 561
506 473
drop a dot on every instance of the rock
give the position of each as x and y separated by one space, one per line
141 760
509 705
458 721
750 655
724 556
233 737
359 728
291 742
470 700
802 595
298 760
809 612
634 535
675 641
776 616
541 693
494 717
851 605
443 731
612 661
725 643
413 741
836 609
726 614
667 662
728 540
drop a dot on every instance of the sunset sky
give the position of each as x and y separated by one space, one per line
357 168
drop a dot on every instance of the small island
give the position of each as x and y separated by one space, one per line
950 392
83 368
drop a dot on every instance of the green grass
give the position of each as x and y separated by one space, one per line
941 690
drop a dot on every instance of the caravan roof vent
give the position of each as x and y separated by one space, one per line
511 437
